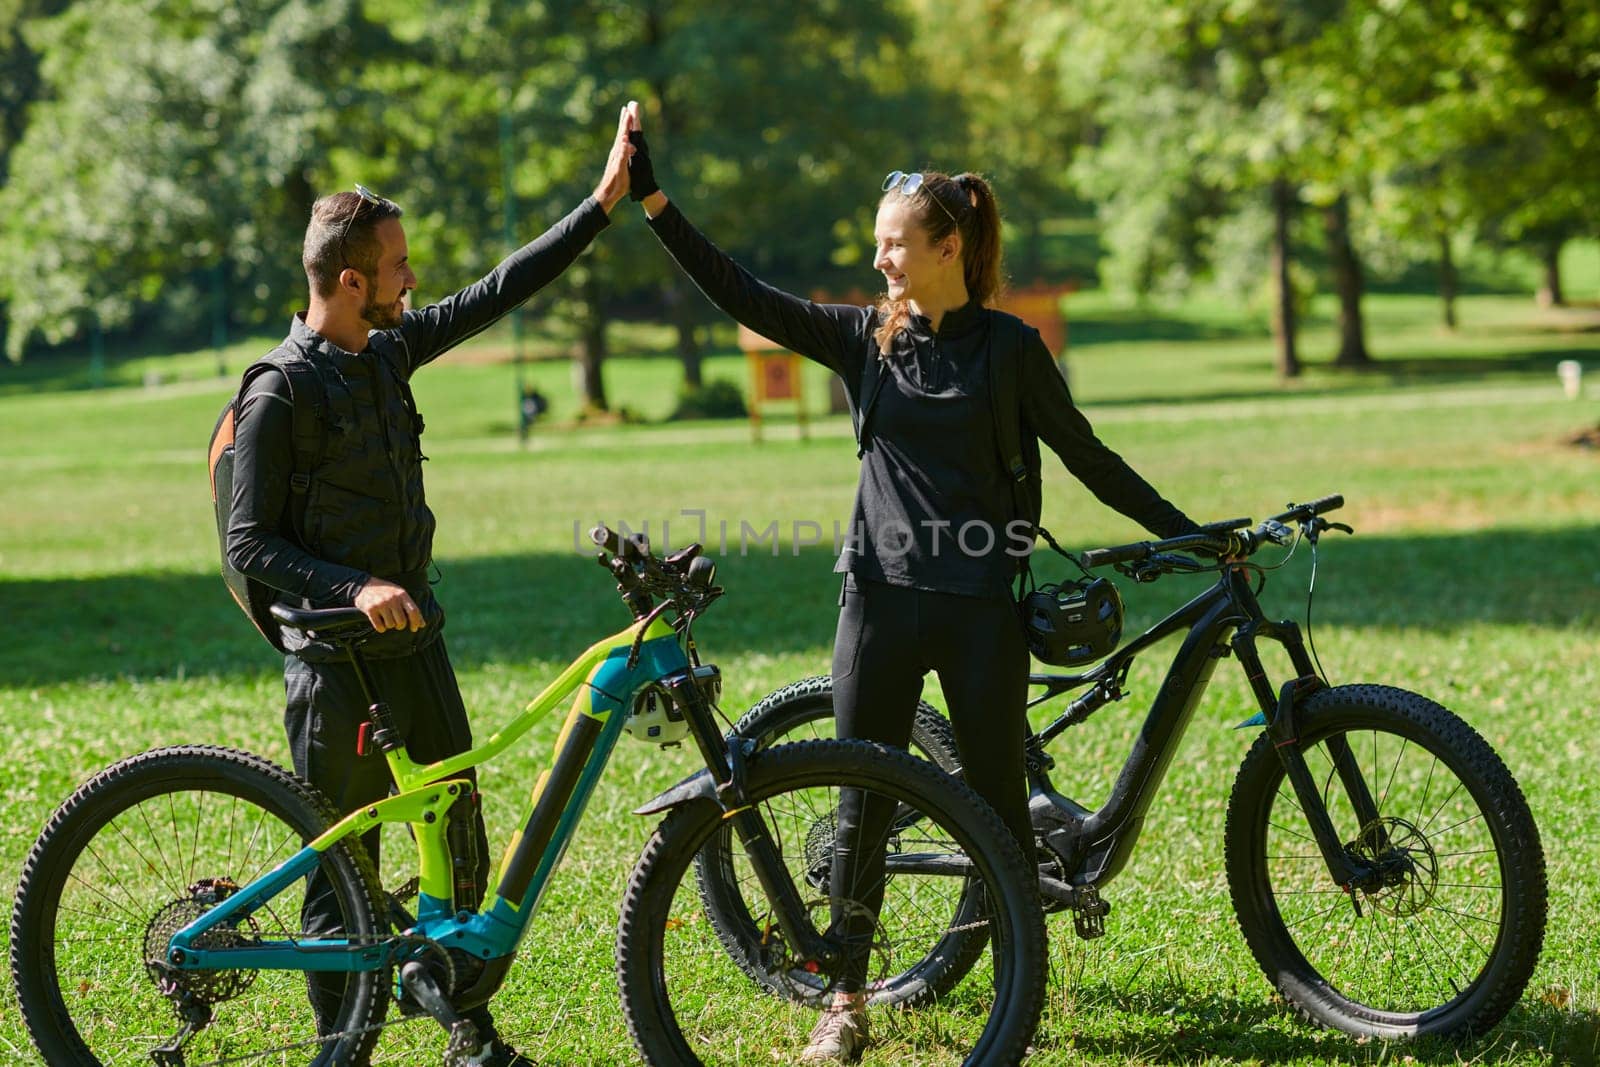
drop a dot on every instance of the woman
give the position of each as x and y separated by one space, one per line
927 576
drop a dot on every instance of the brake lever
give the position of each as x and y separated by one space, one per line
1143 571
1316 524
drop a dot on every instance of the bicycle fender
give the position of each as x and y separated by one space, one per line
698 786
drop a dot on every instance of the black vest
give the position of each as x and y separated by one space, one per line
362 504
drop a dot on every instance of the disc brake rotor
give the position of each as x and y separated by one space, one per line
1407 865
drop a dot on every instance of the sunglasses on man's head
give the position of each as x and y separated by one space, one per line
909 184
367 196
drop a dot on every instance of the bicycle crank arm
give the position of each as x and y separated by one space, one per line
464 1039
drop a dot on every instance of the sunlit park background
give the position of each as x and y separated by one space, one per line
1299 248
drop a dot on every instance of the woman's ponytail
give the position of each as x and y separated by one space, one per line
980 238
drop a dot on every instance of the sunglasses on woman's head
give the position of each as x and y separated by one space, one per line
909 184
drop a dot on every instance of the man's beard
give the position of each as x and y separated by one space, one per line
383 316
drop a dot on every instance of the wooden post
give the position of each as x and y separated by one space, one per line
775 375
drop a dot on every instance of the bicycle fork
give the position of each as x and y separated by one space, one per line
1283 727
725 762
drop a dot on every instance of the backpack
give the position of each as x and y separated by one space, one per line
306 400
1016 452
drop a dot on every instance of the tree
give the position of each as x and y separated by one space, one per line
19 85
1194 133
170 141
1005 110
1472 120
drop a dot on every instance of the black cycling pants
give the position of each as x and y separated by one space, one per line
889 637
325 711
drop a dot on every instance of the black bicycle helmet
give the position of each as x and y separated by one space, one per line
1073 622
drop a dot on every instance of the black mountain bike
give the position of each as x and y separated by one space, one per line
1384 867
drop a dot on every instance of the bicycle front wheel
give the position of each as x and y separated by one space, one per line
1445 939
141 850
950 860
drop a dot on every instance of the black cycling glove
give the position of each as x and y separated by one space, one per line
641 177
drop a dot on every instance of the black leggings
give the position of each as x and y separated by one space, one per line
889 637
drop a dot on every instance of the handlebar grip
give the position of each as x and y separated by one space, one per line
1296 512
604 537
1101 557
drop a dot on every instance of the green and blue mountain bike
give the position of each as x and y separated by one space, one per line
159 917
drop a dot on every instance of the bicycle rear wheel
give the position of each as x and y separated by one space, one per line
1448 940
803 711
141 850
688 1002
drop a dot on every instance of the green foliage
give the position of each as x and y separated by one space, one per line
169 139
716 399
150 150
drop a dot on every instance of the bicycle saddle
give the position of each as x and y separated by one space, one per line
323 622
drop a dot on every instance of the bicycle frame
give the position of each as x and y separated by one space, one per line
606 678
1094 846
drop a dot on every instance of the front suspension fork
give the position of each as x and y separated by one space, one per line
1280 710
725 760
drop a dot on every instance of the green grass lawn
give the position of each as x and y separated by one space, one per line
1474 577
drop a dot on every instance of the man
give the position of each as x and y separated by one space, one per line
357 529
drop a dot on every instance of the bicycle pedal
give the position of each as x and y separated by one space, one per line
408 891
465 1047
1089 913
1088 927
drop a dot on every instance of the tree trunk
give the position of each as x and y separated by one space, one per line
1347 281
1447 280
1550 294
592 353
678 295
1032 251
1283 325
680 308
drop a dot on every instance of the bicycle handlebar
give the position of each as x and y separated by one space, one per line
1301 512
1217 538
685 577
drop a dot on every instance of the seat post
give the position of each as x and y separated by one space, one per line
383 733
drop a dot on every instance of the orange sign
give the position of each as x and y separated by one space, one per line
779 378
774 375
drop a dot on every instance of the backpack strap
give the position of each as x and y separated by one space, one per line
308 433
872 379
1018 461
1005 397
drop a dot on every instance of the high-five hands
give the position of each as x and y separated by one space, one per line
641 174
614 182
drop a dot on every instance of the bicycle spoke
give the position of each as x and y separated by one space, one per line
1393 771
126 888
